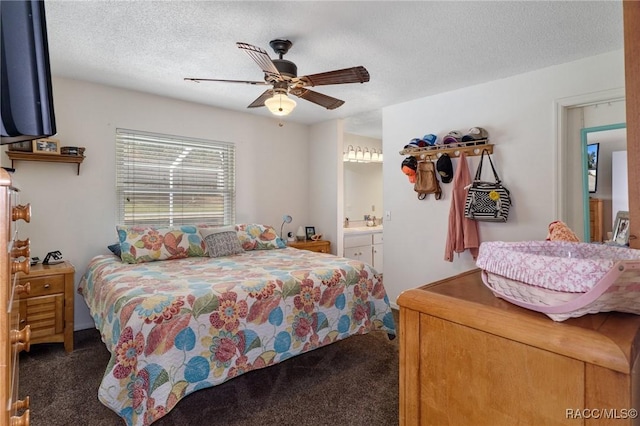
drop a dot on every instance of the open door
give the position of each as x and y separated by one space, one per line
631 10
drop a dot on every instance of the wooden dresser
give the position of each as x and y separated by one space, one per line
596 220
470 358
15 258
320 246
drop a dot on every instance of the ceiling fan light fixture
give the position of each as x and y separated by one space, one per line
280 104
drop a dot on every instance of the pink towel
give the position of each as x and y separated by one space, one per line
463 232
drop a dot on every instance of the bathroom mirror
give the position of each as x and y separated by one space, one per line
362 179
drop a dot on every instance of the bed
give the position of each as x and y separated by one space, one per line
176 326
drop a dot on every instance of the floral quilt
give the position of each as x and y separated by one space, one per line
176 326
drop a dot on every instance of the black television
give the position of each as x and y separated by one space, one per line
26 95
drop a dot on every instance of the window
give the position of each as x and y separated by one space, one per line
169 180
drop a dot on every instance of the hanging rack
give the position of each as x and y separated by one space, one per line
470 148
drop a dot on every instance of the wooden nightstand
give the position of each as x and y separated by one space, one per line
48 305
320 246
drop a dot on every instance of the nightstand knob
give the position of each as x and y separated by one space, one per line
21 212
23 420
22 338
21 404
21 266
23 288
20 251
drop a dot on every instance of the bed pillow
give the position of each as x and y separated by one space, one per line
140 244
221 241
254 236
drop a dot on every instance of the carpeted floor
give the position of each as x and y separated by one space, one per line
351 382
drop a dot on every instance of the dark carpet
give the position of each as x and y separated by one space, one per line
350 382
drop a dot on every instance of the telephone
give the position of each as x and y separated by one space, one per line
52 258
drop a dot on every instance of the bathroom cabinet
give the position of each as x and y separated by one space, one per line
365 247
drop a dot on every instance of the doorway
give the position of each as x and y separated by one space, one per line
569 197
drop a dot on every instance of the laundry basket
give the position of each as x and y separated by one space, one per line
563 279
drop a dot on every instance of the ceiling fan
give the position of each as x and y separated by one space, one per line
282 75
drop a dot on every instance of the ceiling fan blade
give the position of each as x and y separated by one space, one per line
348 75
255 83
259 102
317 98
261 57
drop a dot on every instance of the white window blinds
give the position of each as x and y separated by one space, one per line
169 180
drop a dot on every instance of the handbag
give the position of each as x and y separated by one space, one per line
487 201
426 181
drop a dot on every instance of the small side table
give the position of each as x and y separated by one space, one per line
48 306
320 246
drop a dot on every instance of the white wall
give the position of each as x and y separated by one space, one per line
620 195
76 214
519 113
325 154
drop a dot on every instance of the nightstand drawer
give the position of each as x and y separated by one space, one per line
41 286
319 246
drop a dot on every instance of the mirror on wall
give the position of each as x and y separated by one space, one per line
604 178
362 178
585 122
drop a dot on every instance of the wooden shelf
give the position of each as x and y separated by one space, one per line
454 150
50 158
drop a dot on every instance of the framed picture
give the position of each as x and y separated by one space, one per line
46 146
621 228
20 146
592 166
310 231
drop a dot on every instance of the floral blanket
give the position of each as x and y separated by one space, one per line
176 326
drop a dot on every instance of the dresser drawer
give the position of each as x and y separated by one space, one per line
42 286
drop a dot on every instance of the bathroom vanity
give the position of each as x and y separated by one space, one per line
364 243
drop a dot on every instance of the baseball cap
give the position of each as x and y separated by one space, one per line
416 143
409 167
430 139
474 134
445 168
453 136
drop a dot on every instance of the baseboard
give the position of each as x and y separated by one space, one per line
83 326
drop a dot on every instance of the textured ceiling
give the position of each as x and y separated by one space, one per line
411 49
